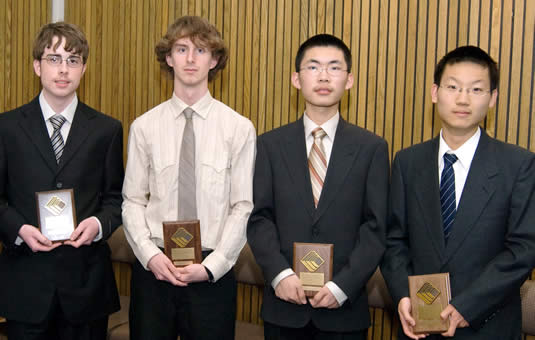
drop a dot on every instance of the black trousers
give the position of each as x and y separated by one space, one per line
309 332
57 327
200 311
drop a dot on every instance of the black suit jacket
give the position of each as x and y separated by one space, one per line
491 248
351 214
91 165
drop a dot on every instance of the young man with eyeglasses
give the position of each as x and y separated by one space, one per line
64 289
463 203
189 158
319 180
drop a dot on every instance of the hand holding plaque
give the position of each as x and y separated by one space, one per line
429 295
182 242
313 264
56 214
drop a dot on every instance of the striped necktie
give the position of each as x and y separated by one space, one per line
187 201
57 122
317 164
447 193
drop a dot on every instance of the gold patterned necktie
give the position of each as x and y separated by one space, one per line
317 164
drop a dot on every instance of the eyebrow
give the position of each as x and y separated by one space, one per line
59 55
318 62
457 81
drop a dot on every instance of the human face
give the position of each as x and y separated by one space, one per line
190 63
59 81
322 90
461 112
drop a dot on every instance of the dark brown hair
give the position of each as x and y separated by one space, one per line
201 33
471 54
75 41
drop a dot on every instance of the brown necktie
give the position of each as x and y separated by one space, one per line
317 164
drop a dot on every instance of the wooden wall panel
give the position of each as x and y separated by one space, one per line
19 22
395 45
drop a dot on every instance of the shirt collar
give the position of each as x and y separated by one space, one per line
201 107
48 112
329 126
465 153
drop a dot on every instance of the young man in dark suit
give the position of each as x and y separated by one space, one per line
337 196
60 290
463 203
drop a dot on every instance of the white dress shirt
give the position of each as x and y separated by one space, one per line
465 154
224 164
330 129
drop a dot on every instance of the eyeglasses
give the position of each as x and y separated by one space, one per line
332 70
472 91
73 61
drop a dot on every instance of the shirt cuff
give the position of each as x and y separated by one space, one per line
282 275
339 295
18 241
99 235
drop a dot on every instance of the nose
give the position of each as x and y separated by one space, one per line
463 97
190 55
63 68
322 74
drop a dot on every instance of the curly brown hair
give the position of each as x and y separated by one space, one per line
75 41
201 33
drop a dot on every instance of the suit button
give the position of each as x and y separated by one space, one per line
315 232
59 185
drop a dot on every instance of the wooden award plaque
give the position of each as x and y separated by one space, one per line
56 214
313 264
182 242
429 295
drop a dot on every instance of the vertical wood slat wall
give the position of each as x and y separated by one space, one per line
395 45
19 22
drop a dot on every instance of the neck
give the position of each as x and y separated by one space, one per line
320 115
190 95
456 140
58 105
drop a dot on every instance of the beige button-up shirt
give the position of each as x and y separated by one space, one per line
224 164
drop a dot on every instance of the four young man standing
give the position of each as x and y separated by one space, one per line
318 180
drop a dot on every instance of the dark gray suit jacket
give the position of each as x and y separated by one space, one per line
491 248
351 214
92 165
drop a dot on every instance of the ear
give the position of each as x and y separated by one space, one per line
434 93
169 60
214 62
296 82
349 81
83 69
37 67
493 98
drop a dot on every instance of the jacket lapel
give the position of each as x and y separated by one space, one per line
427 193
293 149
33 124
477 192
80 130
343 155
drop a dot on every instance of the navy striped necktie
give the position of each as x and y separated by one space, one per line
447 194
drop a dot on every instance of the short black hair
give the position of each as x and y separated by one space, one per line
322 40
470 54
